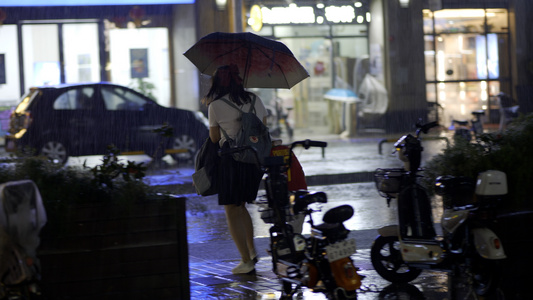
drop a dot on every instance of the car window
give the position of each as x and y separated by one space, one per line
117 98
76 99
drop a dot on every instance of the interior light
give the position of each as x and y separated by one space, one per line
320 20
320 5
442 95
440 65
404 3
360 19
221 4
368 17
358 4
459 13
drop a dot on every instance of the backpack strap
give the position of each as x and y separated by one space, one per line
252 108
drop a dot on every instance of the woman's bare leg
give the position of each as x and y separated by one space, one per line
240 226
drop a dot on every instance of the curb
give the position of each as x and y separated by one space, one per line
327 179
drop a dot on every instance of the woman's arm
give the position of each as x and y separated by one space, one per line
214 134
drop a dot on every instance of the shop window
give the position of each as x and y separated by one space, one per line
82 59
140 60
461 57
459 20
301 31
9 65
349 30
497 20
427 16
41 54
429 56
459 99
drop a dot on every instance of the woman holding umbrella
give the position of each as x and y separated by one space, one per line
238 182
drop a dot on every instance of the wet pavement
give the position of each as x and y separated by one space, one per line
349 163
212 253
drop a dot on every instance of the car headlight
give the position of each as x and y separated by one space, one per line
200 117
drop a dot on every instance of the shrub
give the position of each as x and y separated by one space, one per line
112 180
505 151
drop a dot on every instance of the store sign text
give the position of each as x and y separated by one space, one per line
294 14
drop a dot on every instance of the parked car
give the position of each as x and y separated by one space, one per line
84 119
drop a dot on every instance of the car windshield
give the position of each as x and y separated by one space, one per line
26 100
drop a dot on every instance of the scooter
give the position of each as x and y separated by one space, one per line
278 119
467 245
320 262
22 216
463 131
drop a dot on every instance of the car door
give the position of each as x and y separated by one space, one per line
75 120
128 112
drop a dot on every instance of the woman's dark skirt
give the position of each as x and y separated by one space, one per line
237 182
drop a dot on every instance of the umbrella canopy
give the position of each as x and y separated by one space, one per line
341 95
263 63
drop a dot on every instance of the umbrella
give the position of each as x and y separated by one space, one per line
345 95
263 63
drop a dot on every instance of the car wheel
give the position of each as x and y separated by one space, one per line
187 143
55 151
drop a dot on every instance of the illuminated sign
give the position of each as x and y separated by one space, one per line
294 14
6 3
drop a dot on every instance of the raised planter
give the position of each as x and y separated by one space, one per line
110 251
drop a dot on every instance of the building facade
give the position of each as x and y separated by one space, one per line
405 60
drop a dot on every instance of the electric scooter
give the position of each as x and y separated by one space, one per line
321 262
467 244
465 132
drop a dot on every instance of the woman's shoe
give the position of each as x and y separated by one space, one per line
254 257
244 268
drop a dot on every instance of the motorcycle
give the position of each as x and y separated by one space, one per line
467 246
320 262
22 216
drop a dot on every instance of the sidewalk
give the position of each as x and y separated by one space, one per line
344 160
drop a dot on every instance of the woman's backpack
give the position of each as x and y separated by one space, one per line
253 133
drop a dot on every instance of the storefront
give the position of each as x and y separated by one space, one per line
127 44
329 41
467 55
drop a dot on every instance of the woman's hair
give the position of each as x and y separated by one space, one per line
226 80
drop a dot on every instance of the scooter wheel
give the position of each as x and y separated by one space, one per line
388 263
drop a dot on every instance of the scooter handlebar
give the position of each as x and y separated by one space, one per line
309 143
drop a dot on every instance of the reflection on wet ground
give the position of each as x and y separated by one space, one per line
213 254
